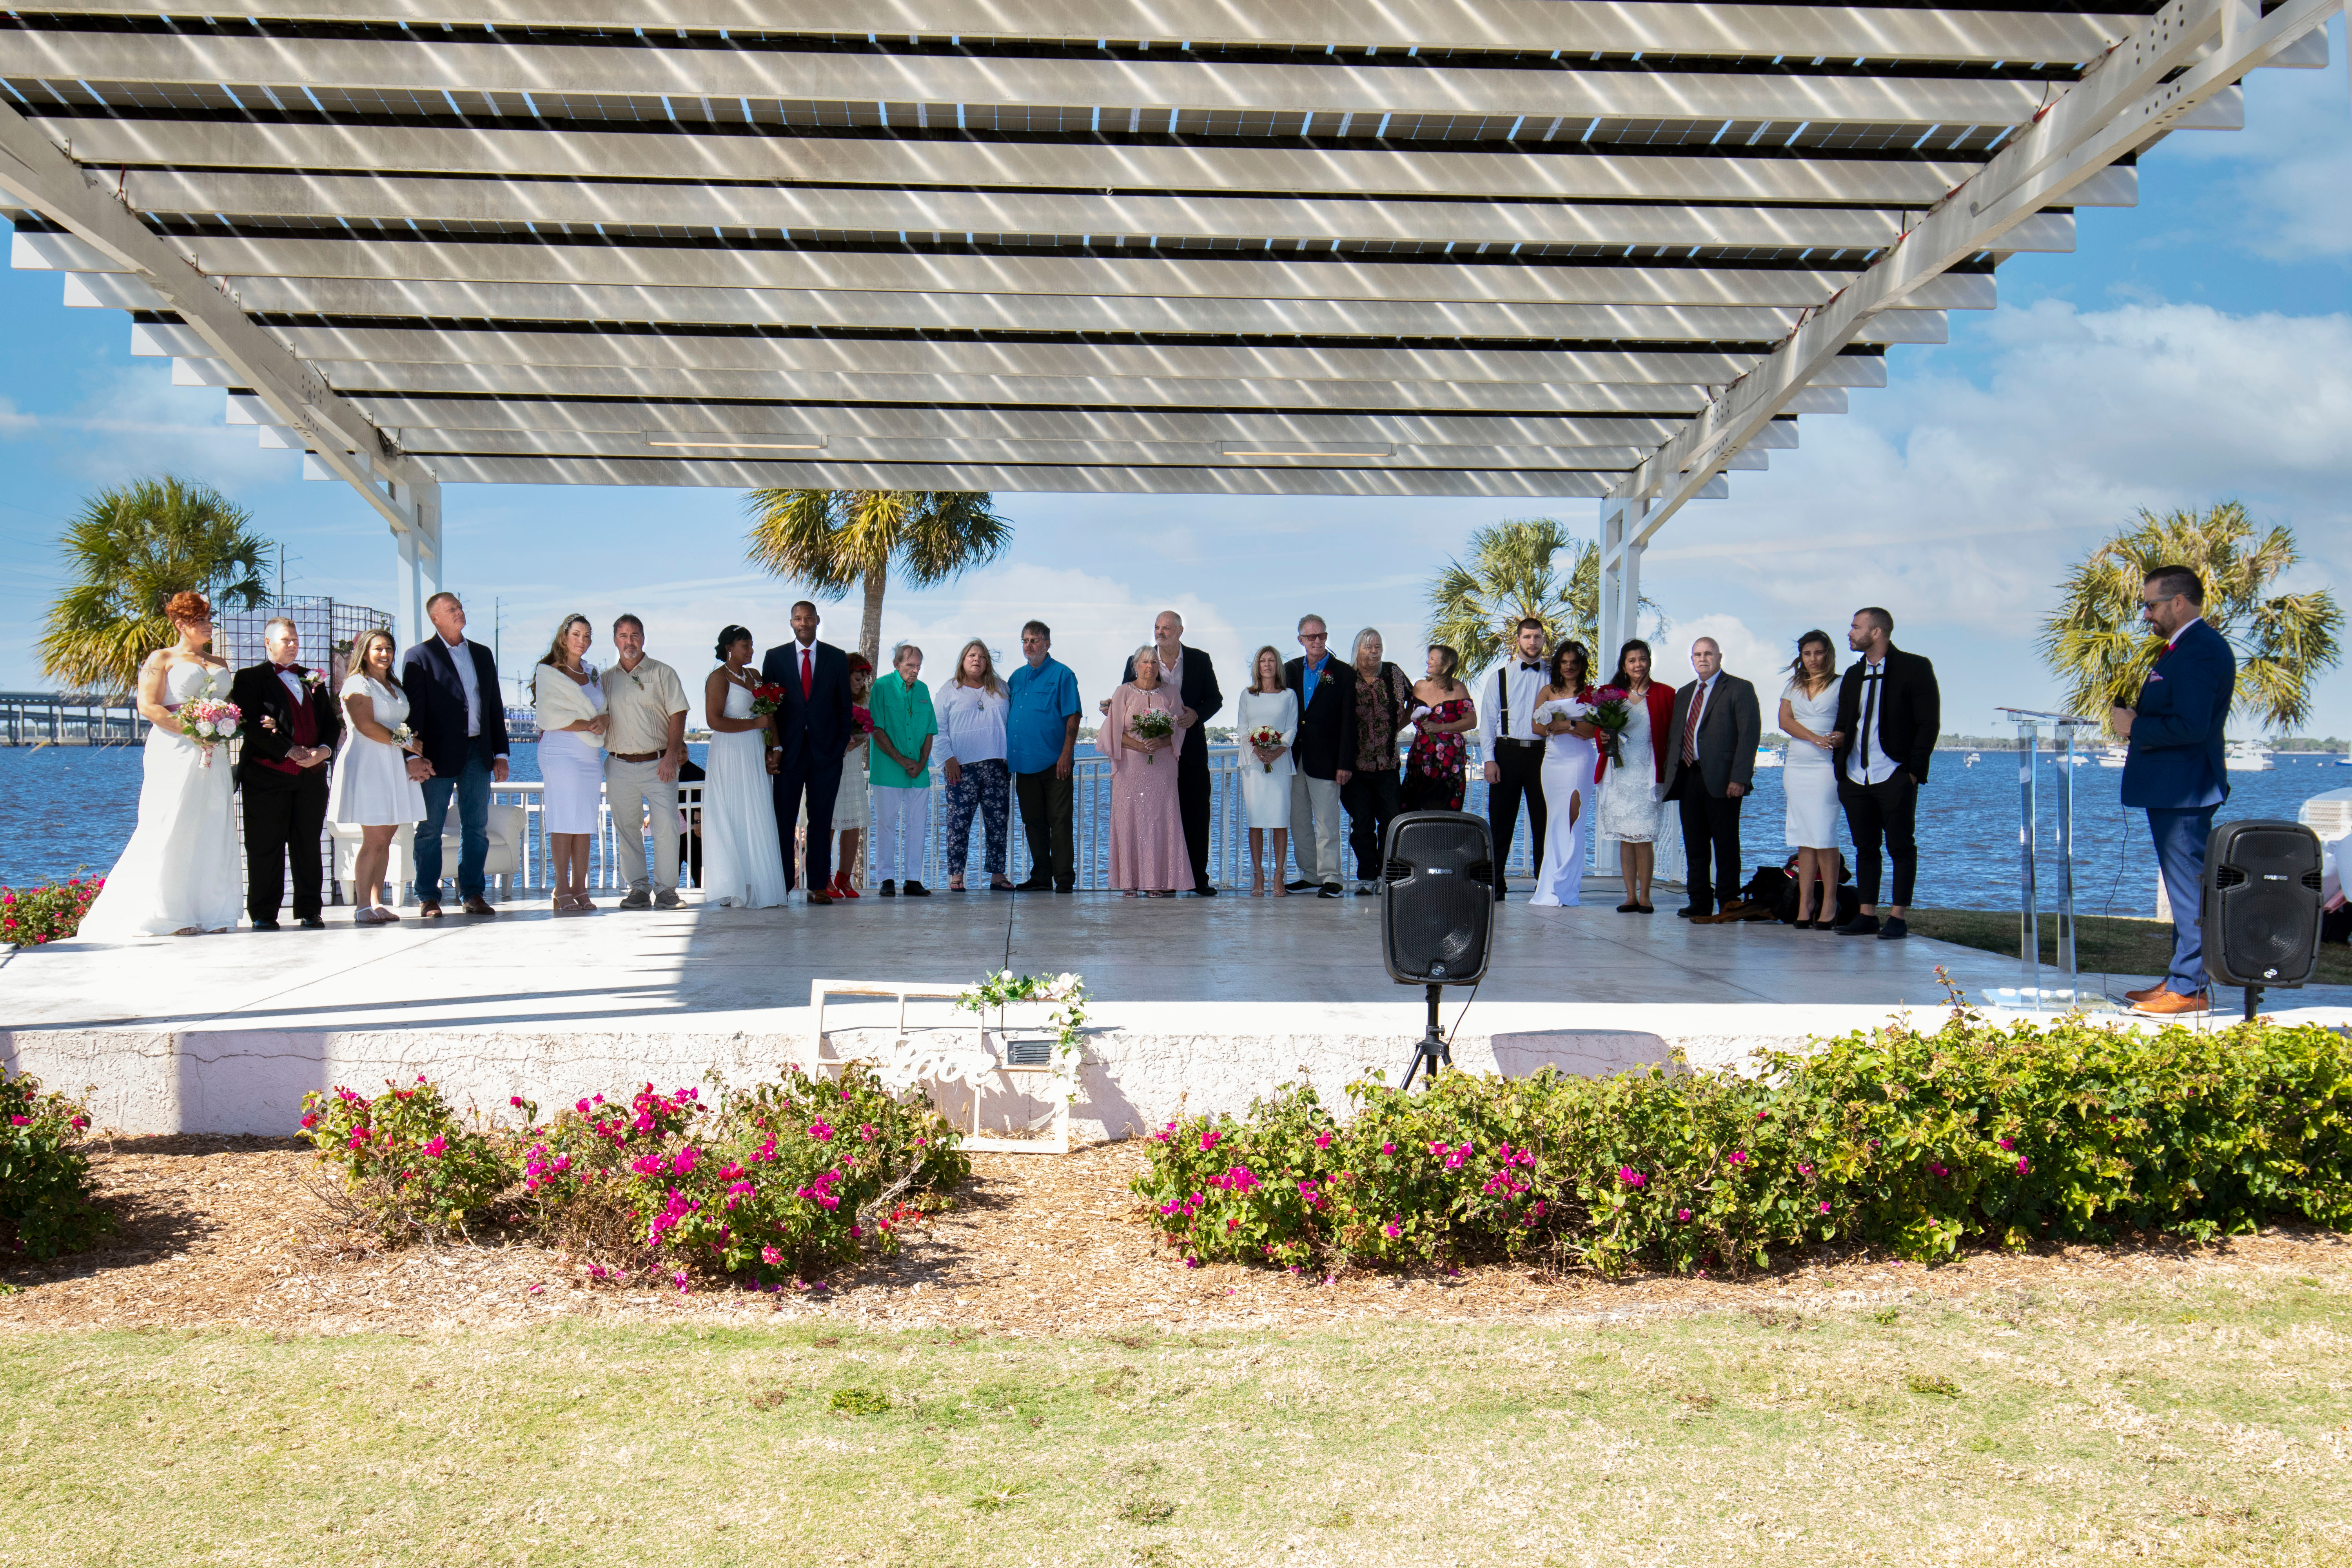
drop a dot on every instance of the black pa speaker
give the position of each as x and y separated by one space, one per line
2260 907
1437 897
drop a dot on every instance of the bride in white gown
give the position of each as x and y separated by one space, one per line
1570 759
742 861
179 875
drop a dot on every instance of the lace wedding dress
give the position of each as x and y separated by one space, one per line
180 869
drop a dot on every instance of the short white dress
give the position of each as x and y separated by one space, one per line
1809 776
1630 809
1266 797
372 787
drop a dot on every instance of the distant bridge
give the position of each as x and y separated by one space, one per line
69 718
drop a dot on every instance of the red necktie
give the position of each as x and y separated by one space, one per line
808 675
1690 726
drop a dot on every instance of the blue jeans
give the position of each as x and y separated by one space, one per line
473 789
2180 836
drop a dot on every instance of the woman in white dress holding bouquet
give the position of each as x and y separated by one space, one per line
376 786
1267 721
743 858
1571 767
179 874
1809 718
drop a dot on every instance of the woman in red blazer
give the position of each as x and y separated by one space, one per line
1630 810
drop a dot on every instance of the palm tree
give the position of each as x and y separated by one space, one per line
2095 643
130 550
1476 609
833 540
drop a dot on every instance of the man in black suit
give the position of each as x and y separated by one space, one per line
290 724
812 727
1512 748
456 711
1325 752
1195 678
1887 716
1710 764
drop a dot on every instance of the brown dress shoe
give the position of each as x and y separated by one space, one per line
2173 1004
2136 998
478 905
819 896
430 909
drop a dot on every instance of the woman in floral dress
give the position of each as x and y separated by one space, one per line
1434 768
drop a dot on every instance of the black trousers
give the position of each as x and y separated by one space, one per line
283 819
1372 800
1710 833
1193 791
1887 809
1048 811
820 781
1521 770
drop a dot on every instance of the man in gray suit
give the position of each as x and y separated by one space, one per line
1710 762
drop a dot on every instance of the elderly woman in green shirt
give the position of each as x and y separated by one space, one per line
904 726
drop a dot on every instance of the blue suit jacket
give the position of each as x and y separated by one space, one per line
2174 760
814 731
436 703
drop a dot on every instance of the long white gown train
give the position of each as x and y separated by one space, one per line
180 868
742 860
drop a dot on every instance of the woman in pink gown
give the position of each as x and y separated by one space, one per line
1147 835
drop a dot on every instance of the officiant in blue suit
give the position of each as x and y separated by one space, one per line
812 733
2173 767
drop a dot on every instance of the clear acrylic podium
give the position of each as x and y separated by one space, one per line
2030 723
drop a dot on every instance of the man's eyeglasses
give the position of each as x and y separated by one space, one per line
1315 636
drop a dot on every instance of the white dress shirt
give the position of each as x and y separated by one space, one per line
1868 762
1697 714
293 683
462 656
1514 716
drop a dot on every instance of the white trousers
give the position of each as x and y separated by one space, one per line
632 788
1316 825
897 812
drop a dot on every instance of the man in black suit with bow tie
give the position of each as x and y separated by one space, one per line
290 724
812 729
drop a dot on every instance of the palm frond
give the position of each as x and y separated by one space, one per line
129 550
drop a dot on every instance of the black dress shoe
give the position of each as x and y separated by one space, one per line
1066 886
917 890
1205 890
265 925
311 922
1694 911
1893 931
1035 885
1861 925
888 889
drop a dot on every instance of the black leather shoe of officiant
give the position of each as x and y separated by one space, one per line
311 922
265 925
1694 911
1035 885
917 890
888 889
1861 925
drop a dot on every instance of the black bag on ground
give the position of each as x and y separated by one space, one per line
1848 902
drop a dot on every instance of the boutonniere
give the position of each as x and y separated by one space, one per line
312 680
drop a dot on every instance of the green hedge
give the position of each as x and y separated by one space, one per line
47 1205
1911 1141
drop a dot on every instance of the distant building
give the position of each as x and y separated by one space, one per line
328 628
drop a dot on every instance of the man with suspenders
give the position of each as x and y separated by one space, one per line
1514 752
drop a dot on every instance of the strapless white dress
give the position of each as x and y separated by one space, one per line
742 861
180 868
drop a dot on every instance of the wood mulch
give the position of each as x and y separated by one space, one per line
229 1232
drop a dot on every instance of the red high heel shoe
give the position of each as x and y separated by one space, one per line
841 888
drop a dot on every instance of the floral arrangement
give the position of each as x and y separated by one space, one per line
1610 715
1265 737
312 681
861 719
766 698
1911 1141
30 917
207 721
1066 991
47 1204
1151 724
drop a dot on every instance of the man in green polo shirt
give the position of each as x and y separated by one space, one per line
904 726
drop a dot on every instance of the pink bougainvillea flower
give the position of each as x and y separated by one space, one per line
1737 1157
514 1099
1391 1231
1631 1177
436 1148
819 1131
1208 1141
2023 1164
1825 1206
1681 1217
1387 1148
1323 1139
2007 1143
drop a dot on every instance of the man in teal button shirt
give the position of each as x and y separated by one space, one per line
1041 740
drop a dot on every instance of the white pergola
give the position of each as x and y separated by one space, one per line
1535 248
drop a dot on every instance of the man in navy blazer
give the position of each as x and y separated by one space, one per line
2173 767
457 713
812 727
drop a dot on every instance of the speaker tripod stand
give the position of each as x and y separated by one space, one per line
1432 1049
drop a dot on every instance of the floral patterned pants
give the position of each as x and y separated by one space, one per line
987 786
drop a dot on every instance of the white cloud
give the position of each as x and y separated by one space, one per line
1751 656
2293 162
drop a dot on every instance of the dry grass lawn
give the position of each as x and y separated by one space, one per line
1033 1382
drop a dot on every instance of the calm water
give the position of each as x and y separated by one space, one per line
64 807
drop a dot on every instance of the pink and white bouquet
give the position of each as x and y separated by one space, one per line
1265 737
1612 712
1151 724
207 721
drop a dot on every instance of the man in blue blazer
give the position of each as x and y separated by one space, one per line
459 715
811 728
2173 767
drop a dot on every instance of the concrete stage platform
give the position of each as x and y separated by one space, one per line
1201 1003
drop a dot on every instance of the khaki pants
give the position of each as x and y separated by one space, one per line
632 788
1315 826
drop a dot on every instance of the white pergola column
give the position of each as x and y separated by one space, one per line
420 557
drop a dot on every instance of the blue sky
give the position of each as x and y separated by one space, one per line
2194 348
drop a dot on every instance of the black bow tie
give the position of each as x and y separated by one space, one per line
1534 666
285 668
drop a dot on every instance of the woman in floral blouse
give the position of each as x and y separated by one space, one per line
1433 769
